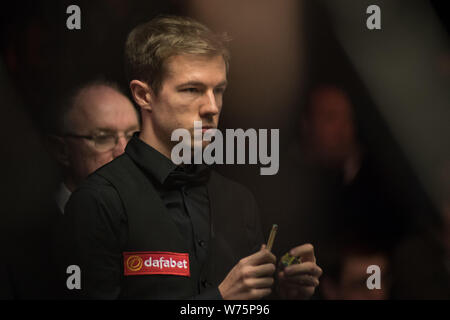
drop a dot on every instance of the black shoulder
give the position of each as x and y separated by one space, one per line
119 167
95 203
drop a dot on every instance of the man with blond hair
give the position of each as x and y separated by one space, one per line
149 229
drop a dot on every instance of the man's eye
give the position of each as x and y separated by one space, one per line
190 90
104 139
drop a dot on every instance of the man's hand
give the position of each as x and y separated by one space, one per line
251 278
298 281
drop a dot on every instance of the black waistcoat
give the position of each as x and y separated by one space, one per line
234 232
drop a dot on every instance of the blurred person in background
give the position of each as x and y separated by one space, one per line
95 123
329 181
345 171
330 132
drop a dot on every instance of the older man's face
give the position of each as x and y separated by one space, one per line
98 111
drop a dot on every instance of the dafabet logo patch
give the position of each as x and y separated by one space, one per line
156 262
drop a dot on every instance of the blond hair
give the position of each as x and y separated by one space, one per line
149 45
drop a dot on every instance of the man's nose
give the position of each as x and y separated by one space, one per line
210 106
120 146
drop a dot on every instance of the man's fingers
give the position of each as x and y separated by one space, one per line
306 252
303 280
309 268
300 280
260 293
264 270
259 283
261 257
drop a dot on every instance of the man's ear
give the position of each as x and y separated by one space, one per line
58 149
142 94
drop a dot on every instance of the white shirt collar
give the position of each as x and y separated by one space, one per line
62 196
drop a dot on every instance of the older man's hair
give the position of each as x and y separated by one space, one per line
149 45
67 102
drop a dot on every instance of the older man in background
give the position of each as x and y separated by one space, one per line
94 126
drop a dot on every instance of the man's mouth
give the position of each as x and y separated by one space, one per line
204 128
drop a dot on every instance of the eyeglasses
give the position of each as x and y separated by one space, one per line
103 141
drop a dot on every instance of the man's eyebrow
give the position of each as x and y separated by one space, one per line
112 131
104 130
198 83
132 128
222 84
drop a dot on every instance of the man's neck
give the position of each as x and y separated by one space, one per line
150 138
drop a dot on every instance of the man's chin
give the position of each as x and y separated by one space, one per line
196 145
